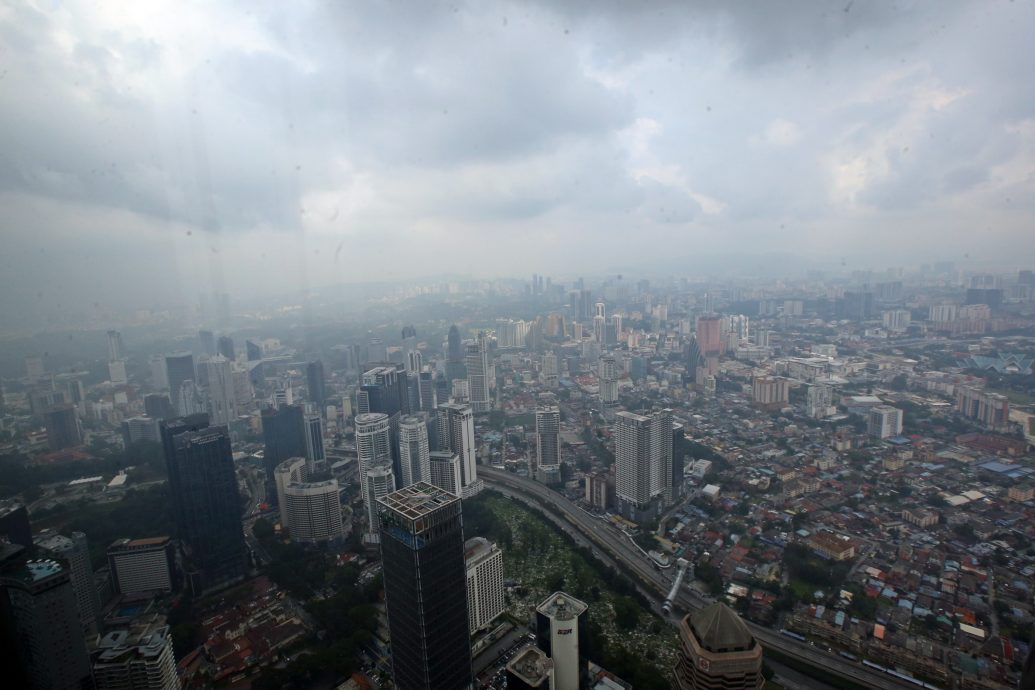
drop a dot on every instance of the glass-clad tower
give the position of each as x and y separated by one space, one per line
425 577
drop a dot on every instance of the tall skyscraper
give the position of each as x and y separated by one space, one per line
206 503
208 342
63 430
717 651
607 379
179 367
478 373
547 441
428 392
253 351
454 355
560 628
222 400
225 347
643 461
709 335
456 434
76 551
445 471
315 453
312 511
485 591
414 453
550 370
140 566
114 346
422 552
136 660
374 453
316 385
598 329
283 431
43 639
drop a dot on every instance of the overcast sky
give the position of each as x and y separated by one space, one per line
152 149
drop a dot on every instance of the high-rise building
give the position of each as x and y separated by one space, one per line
315 453
316 384
643 461
76 551
136 659
312 511
819 401
208 342
598 329
291 470
693 359
206 503
414 452
157 406
14 523
140 429
485 591
63 430
770 391
547 441
454 355
141 566
884 421
456 433
445 471
422 552
550 370
717 651
253 351
709 335
179 367
283 431
560 628
478 373
225 347
114 346
42 630
222 400
374 453
428 394
607 378
990 409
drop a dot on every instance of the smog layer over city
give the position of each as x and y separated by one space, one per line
554 345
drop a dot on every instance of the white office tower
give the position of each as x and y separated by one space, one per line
643 459
896 320
222 400
600 310
819 402
479 374
598 329
188 400
315 453
374 452
141 565
456 434
414 361
290 471
379 482
117 372
283 396
607 378
547 441
76 551
313 511
885 421
616 322
558 628
445 471
414 453
485 592
461 391
140 658
550 370
576 332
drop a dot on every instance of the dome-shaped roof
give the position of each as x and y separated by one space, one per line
718 629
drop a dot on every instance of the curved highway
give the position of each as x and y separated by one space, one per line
618 549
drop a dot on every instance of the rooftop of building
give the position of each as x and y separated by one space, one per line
477 548
138 543
718 629
418 500
561 606
532 666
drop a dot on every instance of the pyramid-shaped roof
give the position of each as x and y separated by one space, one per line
718 629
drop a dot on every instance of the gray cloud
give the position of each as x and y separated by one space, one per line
309 126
